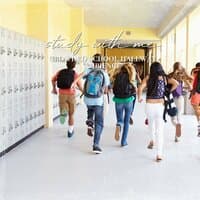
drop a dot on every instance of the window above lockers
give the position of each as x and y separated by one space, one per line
170 50
158 51
194 38
181 43
164 53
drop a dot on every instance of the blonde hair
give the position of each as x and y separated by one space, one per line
128 67
182 75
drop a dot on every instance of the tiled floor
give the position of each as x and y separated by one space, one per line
49 166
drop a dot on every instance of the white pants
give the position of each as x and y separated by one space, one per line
180 107
154 112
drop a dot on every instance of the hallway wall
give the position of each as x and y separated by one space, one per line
13 16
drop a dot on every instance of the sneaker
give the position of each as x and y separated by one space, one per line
150 145
70 134
97 150
158 159
131 120
63 116
89 123
124 144
176 139
117 132
89 131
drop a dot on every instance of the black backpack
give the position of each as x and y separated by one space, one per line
122 88
169 104
197 89
65 78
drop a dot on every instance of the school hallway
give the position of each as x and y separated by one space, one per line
50 166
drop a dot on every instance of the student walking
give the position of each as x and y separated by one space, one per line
67 100
195 96
136 83
180 75
155 83
124 91
96 84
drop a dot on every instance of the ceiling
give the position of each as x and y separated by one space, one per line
125 13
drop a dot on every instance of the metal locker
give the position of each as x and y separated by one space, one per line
22 91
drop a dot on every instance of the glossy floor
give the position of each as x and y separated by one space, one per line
49 166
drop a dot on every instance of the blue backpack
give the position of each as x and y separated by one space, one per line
94 83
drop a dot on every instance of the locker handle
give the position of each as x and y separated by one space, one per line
34 55
9 90
26 87
42 84
30 86
35 115
39 113
4 131
25 54
4 91
21 122
16 89
38 85
31 116
16 124
20 53
2 50
10 127
15 52
30 54
21 89
27 119
9 51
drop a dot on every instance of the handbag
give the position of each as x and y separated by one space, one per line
169 104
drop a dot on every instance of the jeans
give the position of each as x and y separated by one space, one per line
95 115
123 113
133 104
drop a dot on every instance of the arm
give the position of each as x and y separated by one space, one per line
77 80
53 82
174 84
189 85
138 78
79 85
107 83
142 86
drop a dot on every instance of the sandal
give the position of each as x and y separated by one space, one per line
117 132
150 145
158 159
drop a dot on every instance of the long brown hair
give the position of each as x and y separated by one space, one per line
181 75
127 67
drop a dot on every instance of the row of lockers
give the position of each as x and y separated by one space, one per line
22 86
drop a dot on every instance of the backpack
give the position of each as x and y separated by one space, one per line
65 78
122 88
197 88
94 83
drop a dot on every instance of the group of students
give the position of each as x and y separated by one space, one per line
123 83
